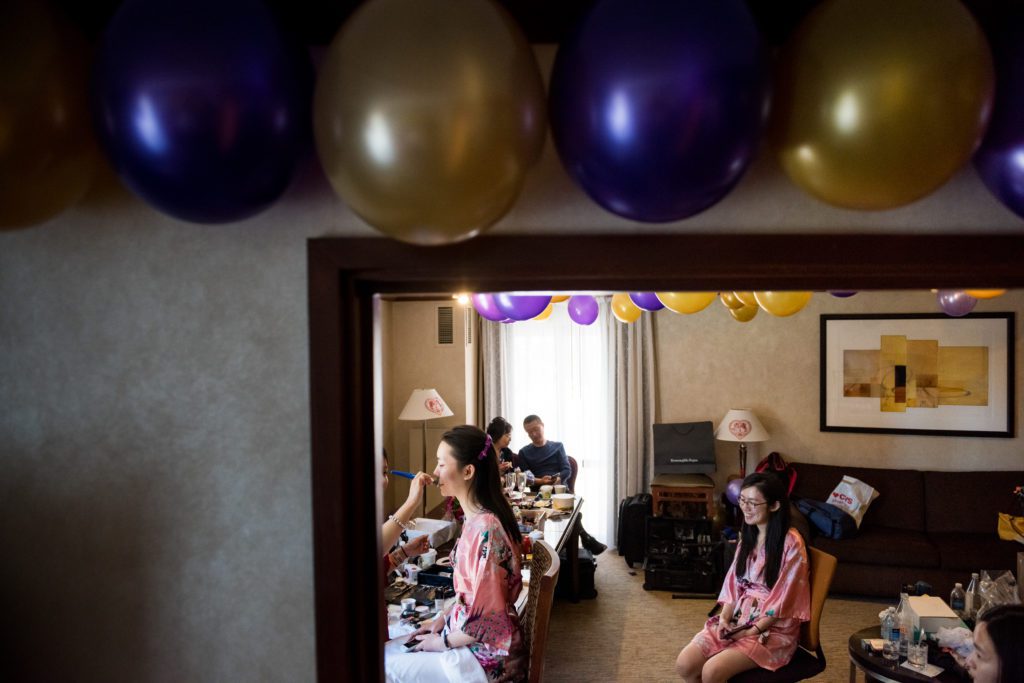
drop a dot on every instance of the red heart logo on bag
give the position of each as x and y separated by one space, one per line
739 428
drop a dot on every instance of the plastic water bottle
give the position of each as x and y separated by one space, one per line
890 634
905 621
971 597
958 600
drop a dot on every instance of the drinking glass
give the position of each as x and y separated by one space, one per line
891 649
917 655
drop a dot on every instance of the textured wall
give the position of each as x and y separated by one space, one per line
708 363
415 361
154 439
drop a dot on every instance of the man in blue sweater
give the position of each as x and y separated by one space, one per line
547 462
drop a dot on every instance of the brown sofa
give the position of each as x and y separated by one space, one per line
936 527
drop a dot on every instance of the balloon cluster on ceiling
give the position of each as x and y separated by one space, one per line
627 308
426 115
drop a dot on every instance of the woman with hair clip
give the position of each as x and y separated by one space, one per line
478 638
998 655
765 596
500 431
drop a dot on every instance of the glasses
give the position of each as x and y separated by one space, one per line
747 503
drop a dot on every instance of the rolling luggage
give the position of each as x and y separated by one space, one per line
631 539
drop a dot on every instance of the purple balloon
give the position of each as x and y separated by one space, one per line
732 491
842 294
657 107
582 309
648 301
521 306
488 310
1000 158
203 108
955 302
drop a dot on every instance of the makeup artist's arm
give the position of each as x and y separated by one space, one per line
392 529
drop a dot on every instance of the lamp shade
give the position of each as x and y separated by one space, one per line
741 425
425 404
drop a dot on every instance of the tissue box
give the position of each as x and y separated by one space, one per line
438 531
930 613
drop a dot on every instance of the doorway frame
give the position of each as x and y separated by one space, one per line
346 274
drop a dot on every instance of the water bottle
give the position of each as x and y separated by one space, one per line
971 597
890 634
905 621
958 600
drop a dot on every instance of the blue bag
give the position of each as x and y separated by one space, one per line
827 518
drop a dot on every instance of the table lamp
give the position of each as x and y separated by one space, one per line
743 426
423 405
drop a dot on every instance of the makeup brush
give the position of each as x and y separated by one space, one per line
409 475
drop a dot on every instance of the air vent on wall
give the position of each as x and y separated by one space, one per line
445 326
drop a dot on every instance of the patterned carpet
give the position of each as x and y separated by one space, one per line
629 634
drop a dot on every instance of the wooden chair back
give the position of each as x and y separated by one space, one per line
822 569
537 614
574 470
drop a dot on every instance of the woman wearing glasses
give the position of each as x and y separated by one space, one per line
765 596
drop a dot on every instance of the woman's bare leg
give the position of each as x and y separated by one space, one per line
690 662
724 665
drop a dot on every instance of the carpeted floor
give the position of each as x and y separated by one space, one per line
629 634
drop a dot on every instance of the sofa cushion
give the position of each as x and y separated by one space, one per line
968 501
900 503
884 546
973 552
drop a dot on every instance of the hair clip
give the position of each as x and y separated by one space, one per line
488 443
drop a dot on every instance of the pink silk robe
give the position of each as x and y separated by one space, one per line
789 599
487 579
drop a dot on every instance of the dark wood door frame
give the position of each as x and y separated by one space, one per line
346 273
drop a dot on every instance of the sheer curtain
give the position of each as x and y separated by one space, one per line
565 373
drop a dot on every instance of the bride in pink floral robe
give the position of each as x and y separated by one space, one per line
478 639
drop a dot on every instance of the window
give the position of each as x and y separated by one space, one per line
563 372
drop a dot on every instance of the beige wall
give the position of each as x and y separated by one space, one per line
708 363
155 509
415 361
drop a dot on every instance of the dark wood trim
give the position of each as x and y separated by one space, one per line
345 273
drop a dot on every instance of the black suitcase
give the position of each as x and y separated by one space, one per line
588 566
633 514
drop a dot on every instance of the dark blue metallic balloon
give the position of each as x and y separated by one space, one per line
657 106
203 107
647 301
1000 159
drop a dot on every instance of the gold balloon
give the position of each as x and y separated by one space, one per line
730 300
559 298
545 314
744 314
686 302
48 155
624 309
985 293
427 115
879 102
782 303
747 298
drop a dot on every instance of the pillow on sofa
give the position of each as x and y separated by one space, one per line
853 496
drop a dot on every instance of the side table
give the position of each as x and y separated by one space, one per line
876 667
683 488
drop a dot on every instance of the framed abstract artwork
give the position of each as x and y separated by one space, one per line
918 373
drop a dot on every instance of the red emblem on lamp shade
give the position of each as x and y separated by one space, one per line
739 428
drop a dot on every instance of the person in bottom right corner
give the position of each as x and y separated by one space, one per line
998 646
765 596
